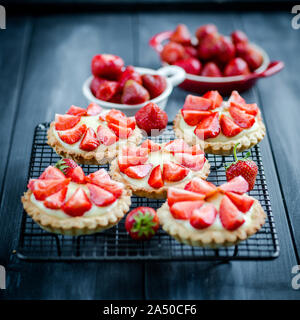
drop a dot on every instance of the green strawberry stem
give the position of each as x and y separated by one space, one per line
236 158
143 224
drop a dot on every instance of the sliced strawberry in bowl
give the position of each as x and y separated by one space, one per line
73 135
181 35
52 173
248 108
193 117
150 146
66 121
194 163
93 109
99 196
215 98
56 200
155 180
204 216
209 127
196 103
78 204
237 185
89 141
45 188
76 111
179 195
242 119
230 216
242 202
183 210
201 186
139 171
228 127
106 136
173 172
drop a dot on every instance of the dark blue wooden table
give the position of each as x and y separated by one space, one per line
44 60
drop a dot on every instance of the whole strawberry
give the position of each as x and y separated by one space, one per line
66 166
243 167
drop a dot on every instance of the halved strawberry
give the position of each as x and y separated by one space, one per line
114 187
45 188
76 111
177 146
126 161
65 121
228 127
150 145
235 97
99 196
201 186
183 210
138 172
193 117
121 132
131 150
188 160
52 173
93 109
78 204
89 141
209 127
56 200
179 195
215 98
155 180
99 176
241 118
237 185
106 136
242 202
118 117
77 175
196 149
203 217
196 103
173 172
230 216
73 135
248 108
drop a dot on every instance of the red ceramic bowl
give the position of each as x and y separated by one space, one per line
225 85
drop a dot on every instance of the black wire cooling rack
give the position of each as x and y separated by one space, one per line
115 244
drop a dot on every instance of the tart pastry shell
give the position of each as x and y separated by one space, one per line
207 237
75 226
102 155
247 141
150 192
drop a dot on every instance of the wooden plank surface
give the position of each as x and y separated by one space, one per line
212 280
61 47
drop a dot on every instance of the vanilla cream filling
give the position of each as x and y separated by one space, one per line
189 130
91 122
156 158
72 187
217 225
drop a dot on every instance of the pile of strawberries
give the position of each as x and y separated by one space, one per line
199 112
52 186
113 82
192 203
214 55
132 162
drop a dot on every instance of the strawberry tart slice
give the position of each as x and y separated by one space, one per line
219 125
92 135
64 200
150 169
202 214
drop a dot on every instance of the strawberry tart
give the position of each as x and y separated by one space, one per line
203 214
219 125
150 169
92 135
64 200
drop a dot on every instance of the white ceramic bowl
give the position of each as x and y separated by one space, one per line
174 75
